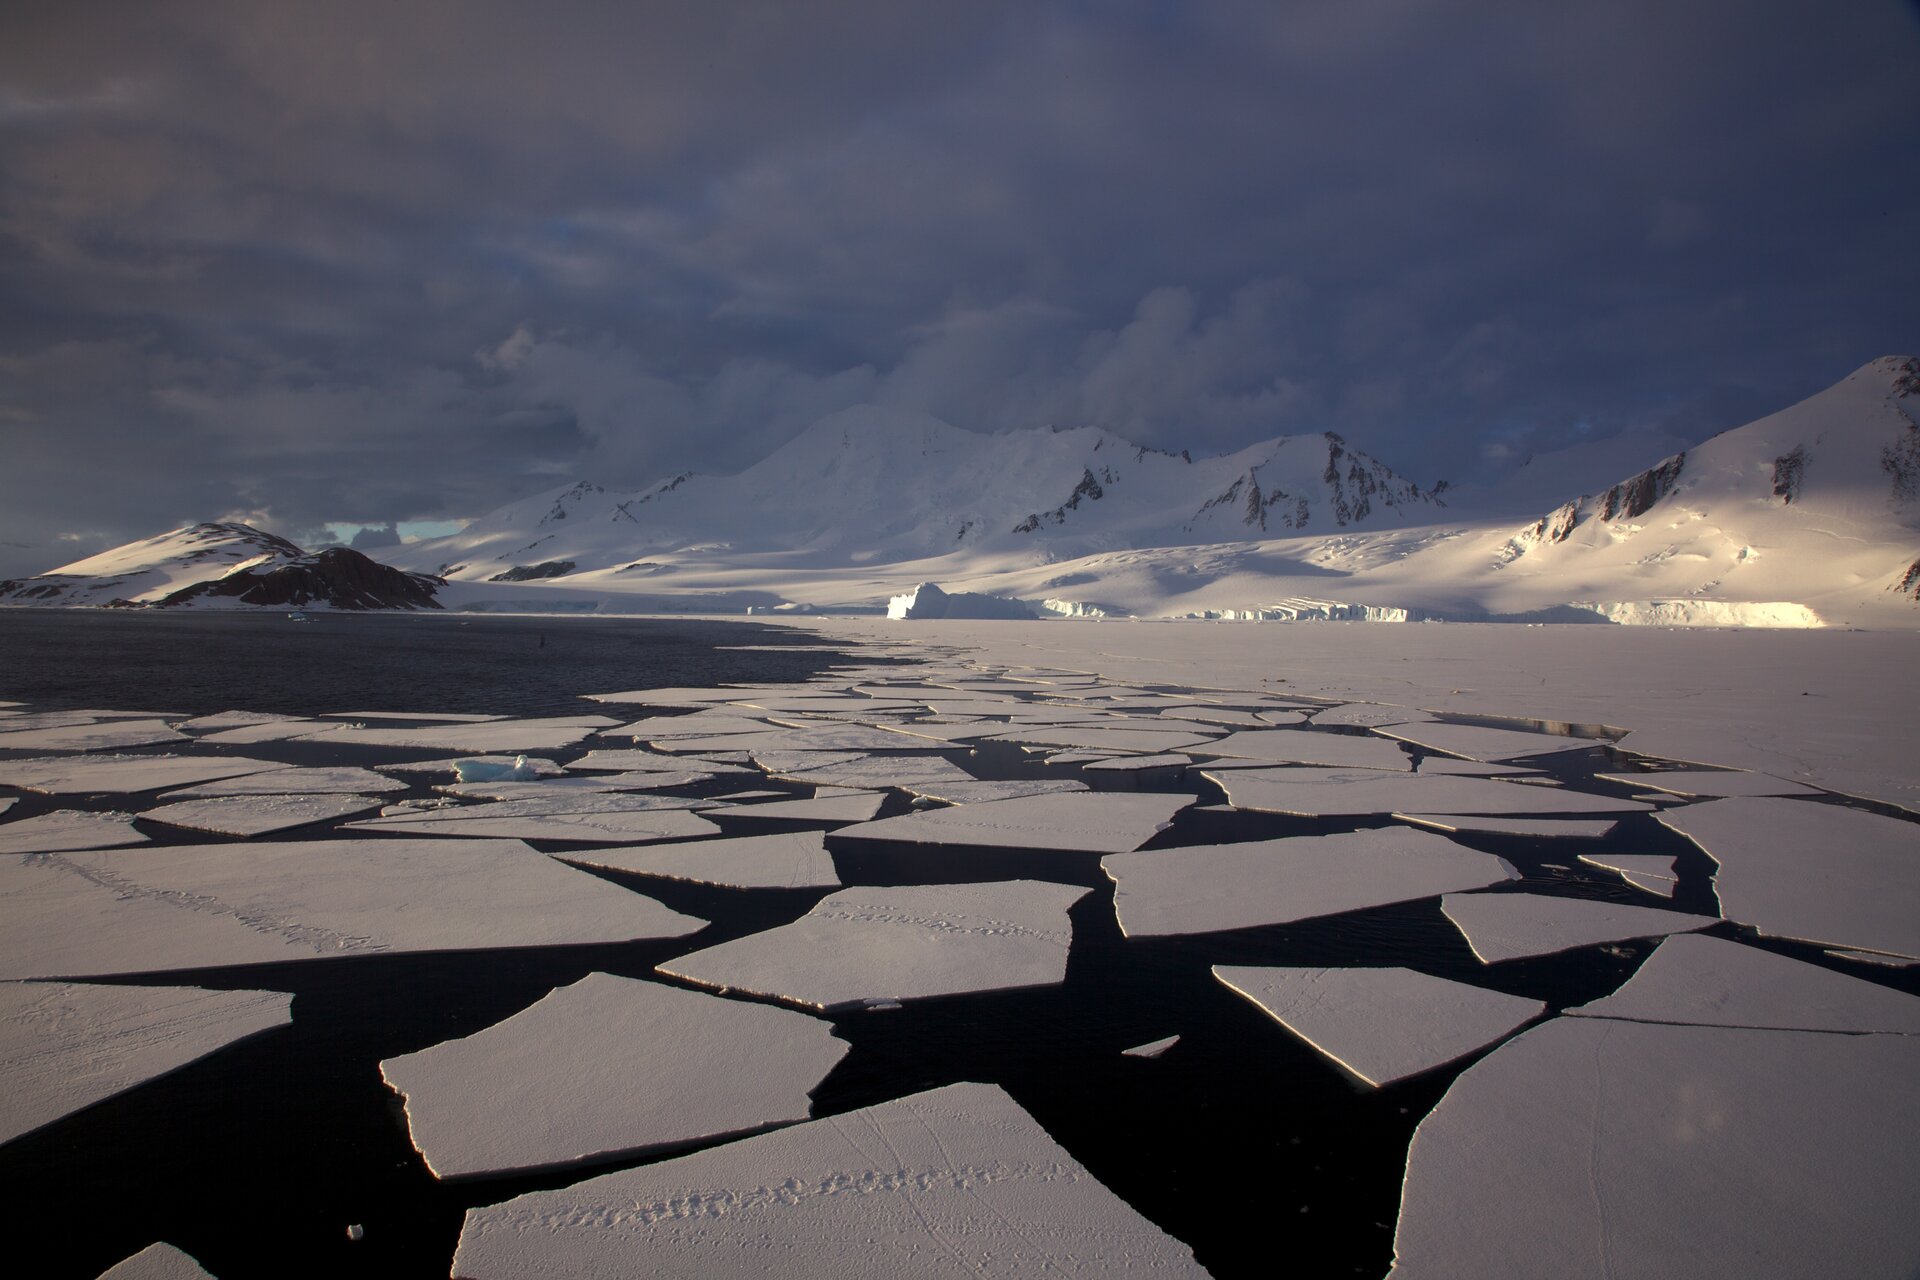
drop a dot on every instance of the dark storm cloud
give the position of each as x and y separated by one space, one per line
363 263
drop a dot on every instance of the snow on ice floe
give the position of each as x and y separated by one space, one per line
617 760
298 780
65 1046
1555 828
107 736
1213 888
253 815
76 775
237 720
64 830
1444 765
1714 983
1152 1049
701 724
591 816
956 1181
606 1067
1652 872
871 771
1338 792
1102 739
1130 764
1711 782
550 733
276 731
849 806
902 943
792 860
210 906
159 1261
1370 715
6 803
1476 742
972 792
1303 746
1090 823
1225 716
1382 1025
1819 872
1511 926
1280 718
1594 1148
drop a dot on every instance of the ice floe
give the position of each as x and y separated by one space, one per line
1129 764
902 943
1594 1148
616 760
6 803
159 1261
1711 782
543 767
1382 1025
338 779
1476 742
604 783
1649 871
252 815
1151 1049
1212 888
1090 823
1470 768
954 1181
1303 746
1510 926
792 860
1339 792
852 806
1555 828
1369 715
78 775
1104 739
605 1067
1216 715
875 771
1819 872
65 1046
68 829
208 906
592 816
972 792
422 717
1714 983
237 720
108 736
549 733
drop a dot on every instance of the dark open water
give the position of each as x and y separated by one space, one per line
1241 1141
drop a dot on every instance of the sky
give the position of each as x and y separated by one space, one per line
366 270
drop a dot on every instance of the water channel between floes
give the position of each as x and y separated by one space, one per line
1241 1140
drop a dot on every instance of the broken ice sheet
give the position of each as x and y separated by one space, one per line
1548 828
1303 746
1510 926
208 906
954 1181
1129 764
573 784
1649 871
605 1067
1213 888
638 761
1476 742
792 860
159 1261
1092 822
1104 739
259 815
78 775
1711 782
68 829
236 720
973 792
426 717
337 779
1340 792
1819 872
549 733
108 736
900 943
1369 714
851 806
6 803
1152 1049
592 816
65 1046
545 768
1382 1025
1588 1147
1715 983
877 771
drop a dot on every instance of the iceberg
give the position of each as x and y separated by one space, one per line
928 601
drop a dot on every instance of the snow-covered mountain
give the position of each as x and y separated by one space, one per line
224 565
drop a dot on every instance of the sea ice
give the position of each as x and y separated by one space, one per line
1090 823
954 1181
65 1046
549 733
851 806
521 770
6 803
1279 718
82 775
1370 714
275 731
1821 872
1476 742
1382 1025
1211 888
252 815
1339 792
1593 1148
869 772
638 761
679 697
109 736
1509 926
68 829
1225 716
1105 739
1128 764
159 1261
604 783
1152 1049
1303 746
701 724
1706 782
339 779
210 906
827 737
1557 828
1710 982
594 816
1433 765
542 767
1649 871
903 943
424 717
237 720
606 1067
792 860
972 792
